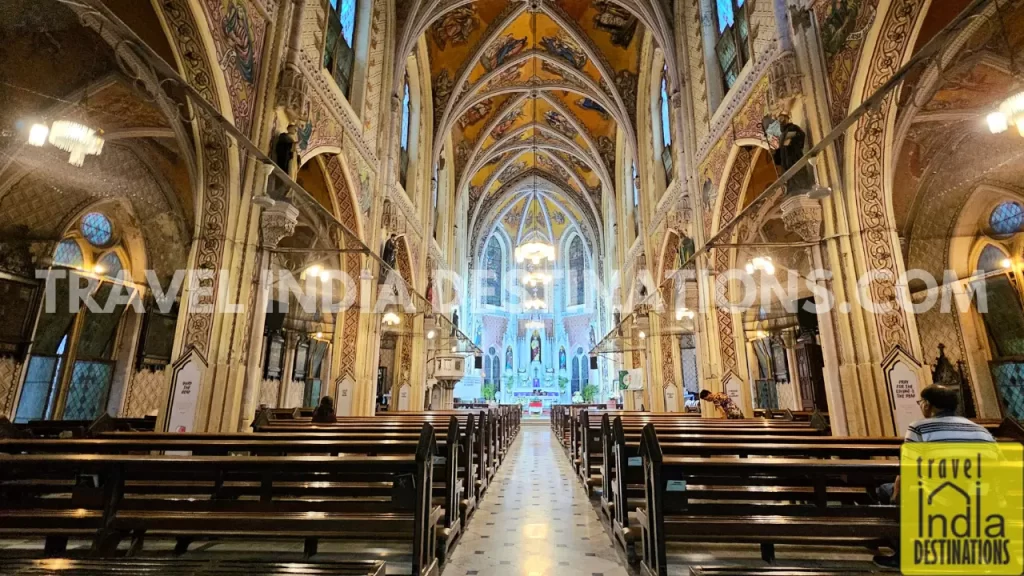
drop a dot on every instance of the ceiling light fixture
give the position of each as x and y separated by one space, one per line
76 139
761 264
391 319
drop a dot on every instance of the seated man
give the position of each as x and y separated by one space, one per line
722 402
940 424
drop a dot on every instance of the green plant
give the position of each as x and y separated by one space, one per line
488 392
562 382
589 392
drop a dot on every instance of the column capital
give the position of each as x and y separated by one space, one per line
803 216
278 222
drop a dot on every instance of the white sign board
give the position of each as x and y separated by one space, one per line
403 398
735 392
636 379
343 403
903 395
186 388
671 398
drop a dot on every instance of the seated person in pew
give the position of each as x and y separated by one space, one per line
940 424
324 413
722 402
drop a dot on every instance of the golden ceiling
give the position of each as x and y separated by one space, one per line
539 91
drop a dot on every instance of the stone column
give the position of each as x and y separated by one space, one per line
803 217
290 344
292 92
447 394
276 223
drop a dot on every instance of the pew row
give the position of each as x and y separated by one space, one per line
448 486
183 567
588 442
760 500
114 497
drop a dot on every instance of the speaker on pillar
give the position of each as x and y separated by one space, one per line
593 362
478 362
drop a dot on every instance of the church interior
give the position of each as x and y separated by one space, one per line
509 287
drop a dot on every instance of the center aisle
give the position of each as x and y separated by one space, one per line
535 519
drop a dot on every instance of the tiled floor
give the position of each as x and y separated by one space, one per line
535 519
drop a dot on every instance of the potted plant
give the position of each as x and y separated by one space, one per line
562 383
589 392
488 392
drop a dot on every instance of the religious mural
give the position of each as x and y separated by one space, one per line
455 26
565 48
506 123
501 50
588 104
239 37
560 123
617 21
476 113
561 357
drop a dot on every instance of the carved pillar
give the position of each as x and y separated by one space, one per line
290 344
292 91
276 223
447 388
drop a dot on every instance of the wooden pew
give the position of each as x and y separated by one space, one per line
112 497
624 488
765 501
183 567
74 428
590 450
473 439
775 571
448 490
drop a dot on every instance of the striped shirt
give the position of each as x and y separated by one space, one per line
947 428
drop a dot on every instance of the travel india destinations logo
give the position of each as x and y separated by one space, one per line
962 508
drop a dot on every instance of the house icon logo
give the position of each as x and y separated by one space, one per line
961 509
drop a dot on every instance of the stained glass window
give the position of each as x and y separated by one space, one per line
111 264
404 152
666 127
636 188
97 229
732 47
1006 219
339 47
577 281
68 254
493 268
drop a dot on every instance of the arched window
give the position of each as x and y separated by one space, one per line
494 267
339 50
406 110
635 183
110 265
666 126
1006 219
584 366
576 375
434 189
733 45
69 254
1003 318
577 280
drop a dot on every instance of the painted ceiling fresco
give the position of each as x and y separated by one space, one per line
519 92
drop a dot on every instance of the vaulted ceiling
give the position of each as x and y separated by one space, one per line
535 90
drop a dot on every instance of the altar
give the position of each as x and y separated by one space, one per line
537 384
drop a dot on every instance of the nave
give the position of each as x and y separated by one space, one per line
537 520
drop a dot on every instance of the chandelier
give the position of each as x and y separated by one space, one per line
534 325
684 313
535 251
76 139
391 319
535 304
1011 111
536 278
761 264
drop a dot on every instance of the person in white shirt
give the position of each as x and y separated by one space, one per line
940 424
